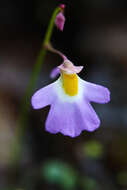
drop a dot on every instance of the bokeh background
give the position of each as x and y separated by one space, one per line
95 36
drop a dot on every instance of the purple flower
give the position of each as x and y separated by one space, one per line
70 97
59 21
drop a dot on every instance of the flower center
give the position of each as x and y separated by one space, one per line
70 84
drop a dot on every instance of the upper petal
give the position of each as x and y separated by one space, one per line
96 93
43 97
55 72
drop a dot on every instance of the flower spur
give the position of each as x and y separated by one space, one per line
69 97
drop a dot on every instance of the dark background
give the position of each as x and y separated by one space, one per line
95 36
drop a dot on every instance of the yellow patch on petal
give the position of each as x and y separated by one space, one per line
70 84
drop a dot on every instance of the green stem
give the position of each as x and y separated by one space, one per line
50 27
25 107
38 65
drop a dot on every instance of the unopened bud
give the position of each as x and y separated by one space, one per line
59 21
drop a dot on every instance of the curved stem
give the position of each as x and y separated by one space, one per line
50 48
37 68
25 106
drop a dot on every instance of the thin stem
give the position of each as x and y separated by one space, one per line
53 50
25 107
38 65
50 27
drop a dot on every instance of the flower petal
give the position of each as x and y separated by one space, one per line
89 120
54 73
43 97
96 93
71 118
62 118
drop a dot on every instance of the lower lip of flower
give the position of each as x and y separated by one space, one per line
70 84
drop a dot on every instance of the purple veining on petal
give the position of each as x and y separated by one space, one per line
59 21
54 73
96 93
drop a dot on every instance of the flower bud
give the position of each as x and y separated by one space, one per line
59 21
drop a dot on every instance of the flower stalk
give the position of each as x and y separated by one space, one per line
50 48
25 107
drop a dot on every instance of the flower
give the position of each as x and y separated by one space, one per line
70 97
59 21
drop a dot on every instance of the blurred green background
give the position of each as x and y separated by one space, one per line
95 36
